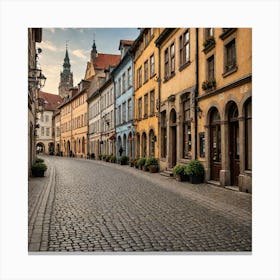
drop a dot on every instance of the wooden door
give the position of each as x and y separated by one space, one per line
234 153
173 146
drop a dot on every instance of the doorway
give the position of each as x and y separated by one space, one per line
173 138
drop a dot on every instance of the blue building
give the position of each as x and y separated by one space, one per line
124 103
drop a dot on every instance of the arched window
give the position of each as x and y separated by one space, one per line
248 135
152 143
187 136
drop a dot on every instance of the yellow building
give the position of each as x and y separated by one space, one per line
177 49
146 93
65 123
57 135
80 120
225 105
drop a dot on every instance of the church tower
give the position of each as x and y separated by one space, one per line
66 77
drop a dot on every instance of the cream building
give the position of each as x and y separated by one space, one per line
45 132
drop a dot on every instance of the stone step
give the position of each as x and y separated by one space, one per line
166 173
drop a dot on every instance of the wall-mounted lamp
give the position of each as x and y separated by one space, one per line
199 111
36 78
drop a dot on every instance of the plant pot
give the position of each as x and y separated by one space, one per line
144 168
194 179
38 173
153 169
181 178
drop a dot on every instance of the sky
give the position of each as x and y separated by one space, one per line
79 41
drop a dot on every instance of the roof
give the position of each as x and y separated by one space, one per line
126 42
52 101
104 60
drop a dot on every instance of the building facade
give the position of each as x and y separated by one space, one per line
34 36
225 103
177 50
124 102
45 136
146 96
96 73
57 135
107 119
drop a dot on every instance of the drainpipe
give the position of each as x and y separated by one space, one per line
196 92
159 99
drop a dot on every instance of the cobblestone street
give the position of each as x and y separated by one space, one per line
89 205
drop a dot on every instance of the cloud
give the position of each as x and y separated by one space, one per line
80 53
49 46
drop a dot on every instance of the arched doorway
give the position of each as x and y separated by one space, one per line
119 144
233 143
215 144
58 148
124 145
51 148
68 147
137 145
144 144
83 145
152 143
75 147
130 139
173 138
40 148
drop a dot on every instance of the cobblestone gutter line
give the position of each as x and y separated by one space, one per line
38 225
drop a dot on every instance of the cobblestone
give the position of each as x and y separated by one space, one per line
98 206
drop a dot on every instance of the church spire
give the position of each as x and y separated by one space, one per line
93 50
66 64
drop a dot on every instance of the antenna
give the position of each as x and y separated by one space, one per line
67 41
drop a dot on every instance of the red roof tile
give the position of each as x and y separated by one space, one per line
52 101
104 60
127 42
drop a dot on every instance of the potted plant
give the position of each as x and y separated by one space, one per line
131 162
123 160
38 169
38 160
113 159
152 164
141 162
195 170
107 158
136 162
179 172
92 156
99 156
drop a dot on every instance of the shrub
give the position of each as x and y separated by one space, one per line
141 162
123 160
100 157
151 161
92 155
195 167
136 162
38 169
179 169
113 159
38 160
107 158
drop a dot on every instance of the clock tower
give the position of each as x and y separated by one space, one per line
66 77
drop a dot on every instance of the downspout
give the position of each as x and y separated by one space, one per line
196 92
159 99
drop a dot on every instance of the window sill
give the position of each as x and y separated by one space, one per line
230 71
183 66
146 81
168 78
152 75
209 48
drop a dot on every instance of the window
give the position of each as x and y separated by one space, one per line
123 83
119 115
139 77
172 58
119 87
146 71
129 109
46 118
42 118
152 102
146 105
163 134
146 38
187 137
140 108
124 112
230 56
47 131
152 65
129 77
208 32
248 135
210 68
166 63
185 48
152 32
152 143
42 130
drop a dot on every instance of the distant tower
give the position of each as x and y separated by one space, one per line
93 51
66 77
